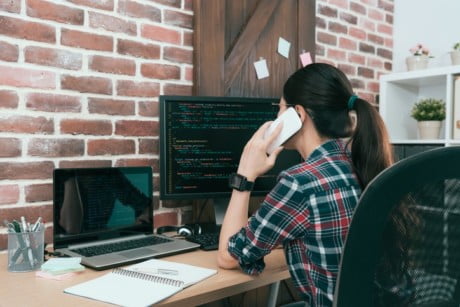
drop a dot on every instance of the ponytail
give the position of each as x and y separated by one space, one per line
371 150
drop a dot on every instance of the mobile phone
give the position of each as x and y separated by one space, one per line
291 124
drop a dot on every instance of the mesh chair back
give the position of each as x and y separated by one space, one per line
403 245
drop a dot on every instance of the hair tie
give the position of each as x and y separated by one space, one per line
351 102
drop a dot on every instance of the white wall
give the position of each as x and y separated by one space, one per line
433 23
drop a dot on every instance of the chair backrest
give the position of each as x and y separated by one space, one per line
403 245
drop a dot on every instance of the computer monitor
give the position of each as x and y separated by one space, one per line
201 141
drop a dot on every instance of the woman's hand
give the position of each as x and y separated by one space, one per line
254 160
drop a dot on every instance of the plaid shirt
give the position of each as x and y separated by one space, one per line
308 212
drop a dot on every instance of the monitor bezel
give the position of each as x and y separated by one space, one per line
163 99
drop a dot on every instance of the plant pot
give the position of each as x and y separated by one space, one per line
455 57
429 130
417 62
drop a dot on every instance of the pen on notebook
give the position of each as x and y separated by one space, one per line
156 271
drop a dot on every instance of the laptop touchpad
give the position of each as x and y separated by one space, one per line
137 253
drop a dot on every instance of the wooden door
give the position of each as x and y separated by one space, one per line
230 35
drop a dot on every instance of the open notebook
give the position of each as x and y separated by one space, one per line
141 284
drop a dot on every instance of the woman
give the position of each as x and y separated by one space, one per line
309 211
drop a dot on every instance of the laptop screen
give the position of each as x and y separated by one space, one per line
93 204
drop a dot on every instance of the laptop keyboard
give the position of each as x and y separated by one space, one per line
119 246
208 240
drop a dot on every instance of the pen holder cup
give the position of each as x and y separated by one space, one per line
26 250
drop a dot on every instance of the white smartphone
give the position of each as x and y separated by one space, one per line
291 124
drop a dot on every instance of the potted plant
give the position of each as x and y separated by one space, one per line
455 54
429 113
419 57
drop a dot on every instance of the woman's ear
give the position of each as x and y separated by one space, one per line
301 112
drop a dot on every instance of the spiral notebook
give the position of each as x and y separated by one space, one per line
142 284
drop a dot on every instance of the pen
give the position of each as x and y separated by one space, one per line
156 271
36 225
24 224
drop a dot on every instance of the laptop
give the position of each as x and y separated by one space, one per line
105 216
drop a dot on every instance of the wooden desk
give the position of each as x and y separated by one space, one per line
24 289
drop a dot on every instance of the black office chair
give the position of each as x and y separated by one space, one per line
403 245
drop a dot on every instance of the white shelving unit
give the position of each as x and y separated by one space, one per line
400 91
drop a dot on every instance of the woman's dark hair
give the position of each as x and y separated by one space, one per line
324 92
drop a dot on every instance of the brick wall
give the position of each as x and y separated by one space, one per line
80 80
357 37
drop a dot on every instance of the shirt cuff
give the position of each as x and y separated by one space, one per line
247 255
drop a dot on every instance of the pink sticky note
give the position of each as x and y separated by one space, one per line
305 58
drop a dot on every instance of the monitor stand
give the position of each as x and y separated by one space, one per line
220 207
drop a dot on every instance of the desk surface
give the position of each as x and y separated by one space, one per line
24 289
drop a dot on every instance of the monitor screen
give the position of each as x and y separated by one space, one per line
201 141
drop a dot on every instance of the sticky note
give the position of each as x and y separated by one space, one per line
283 47
305 58
261 69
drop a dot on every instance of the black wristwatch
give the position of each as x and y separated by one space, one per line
239 182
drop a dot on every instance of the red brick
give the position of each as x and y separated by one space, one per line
10 147
111 147
86 40
357 33
30 213
326 38
188 5
53 57
321 22
8 99
161 34
336 54
26 124
349 44
11 6
149 146
386 5
28 30
188 74
85 84
385 53
179 55
137 10
339 3
173 3
164 219
373 87
327 11
86 126
136 128
55 147
26 170
366 72
9 52
367 24
178 19
24 77
358 8
349 18
160 71
383 28
9 194
375 63
50 11
389 18
376 15
39 192
389 43
187 39
388 66
112 65
138 89
147 51
177 89
349 70
148 108
53 103
111 106
106 5
375 39
111 23
336 27
320 50
357 83
363 47
84 163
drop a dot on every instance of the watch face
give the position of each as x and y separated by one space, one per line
235 181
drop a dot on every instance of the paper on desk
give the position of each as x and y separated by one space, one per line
62 265
188 274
